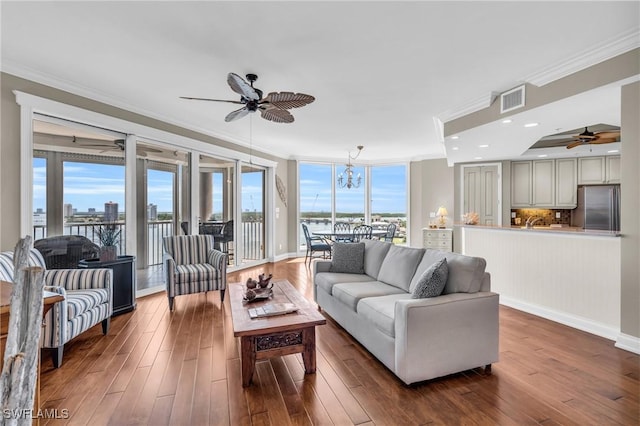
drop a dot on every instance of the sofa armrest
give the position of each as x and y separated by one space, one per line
445 334
80 279
219 260
321 266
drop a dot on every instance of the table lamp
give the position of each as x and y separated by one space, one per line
442 213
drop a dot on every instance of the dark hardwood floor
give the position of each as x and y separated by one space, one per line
183 368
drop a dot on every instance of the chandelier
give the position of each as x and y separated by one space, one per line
346 178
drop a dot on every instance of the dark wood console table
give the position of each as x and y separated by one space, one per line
124 281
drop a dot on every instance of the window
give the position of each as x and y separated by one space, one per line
322 202
389 198
39 198
315 197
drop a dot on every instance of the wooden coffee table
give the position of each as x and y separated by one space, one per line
266 337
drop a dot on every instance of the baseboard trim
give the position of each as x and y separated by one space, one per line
574 321
284 256
628 343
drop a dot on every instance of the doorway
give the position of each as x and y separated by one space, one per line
481 192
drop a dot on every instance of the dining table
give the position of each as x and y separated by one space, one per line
341 236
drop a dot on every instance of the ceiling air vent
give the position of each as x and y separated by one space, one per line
512 99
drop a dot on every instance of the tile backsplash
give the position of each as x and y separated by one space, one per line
548 216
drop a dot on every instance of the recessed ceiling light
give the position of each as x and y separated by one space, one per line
531 125
542 155
455 148
613 151
506 121
478 158
455 137
483 146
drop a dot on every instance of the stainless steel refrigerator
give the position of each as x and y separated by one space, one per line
598 208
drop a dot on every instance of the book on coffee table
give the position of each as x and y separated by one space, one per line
272 309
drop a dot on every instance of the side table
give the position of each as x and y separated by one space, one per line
124 281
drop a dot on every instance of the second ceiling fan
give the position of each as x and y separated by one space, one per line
588 137
272 107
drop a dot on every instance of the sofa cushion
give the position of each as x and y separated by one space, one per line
81 301
347 258
326 280
374 253
399 266
465 272
380 311
351 293
432 281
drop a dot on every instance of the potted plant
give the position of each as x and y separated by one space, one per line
109 237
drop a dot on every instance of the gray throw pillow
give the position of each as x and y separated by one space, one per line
347 257
432 281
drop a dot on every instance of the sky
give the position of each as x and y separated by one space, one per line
388 190
90 185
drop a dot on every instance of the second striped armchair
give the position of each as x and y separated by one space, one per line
192 265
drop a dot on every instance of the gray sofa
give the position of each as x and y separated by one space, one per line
417 339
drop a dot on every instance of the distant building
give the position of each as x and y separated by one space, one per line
39 210
152 212
110 211
91 210
67 210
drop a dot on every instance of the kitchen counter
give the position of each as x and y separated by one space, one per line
569 276
546 229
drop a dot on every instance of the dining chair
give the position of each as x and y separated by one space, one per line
391 232
342 228
315 244
361 232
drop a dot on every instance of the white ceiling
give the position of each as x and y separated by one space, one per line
380 71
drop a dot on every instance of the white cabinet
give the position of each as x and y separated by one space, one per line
543 178
437 239
597 170
533 183
612 172
566 182
591 170
521 184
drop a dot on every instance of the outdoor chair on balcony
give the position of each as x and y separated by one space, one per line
185 228
65 251
361 232
87 301
193 265
315 244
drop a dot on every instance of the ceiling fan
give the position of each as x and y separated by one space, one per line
588 137
115 145
272 107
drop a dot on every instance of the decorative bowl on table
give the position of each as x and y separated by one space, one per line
258 290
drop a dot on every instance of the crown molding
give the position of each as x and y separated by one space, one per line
609 49
625 42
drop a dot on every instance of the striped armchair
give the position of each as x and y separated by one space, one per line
192 265
87 301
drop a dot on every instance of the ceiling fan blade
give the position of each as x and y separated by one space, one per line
608 134
234 115
276 115
574 144
288 100
241 87
604 140
212 100
583 137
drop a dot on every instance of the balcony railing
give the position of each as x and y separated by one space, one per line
253 237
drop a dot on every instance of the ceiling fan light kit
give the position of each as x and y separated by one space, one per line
273 107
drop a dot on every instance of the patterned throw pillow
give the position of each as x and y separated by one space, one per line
348 257
432 281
